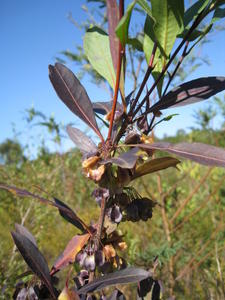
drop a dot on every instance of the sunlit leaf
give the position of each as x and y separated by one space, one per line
198 152
168 17
123 26
125 276
34 259
191 92
83 143
73 94
145 6
70 252
97 49
155 165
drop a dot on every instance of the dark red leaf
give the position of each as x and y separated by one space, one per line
34 259
125 276
24 231
83 143
113 20
198 152
69 215
156 291
104 108
191 92
73 94
62 208
144 287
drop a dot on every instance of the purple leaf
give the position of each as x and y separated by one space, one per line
198 152
34 259
125 276
73 94
24 231
69 215
83 143
190 92
104 108
126 160
63 209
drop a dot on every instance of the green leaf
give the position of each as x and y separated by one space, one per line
148 44
168 118
144 5
155 165
191 13
218 14
168 15
136 43
97 49
123 26
205 31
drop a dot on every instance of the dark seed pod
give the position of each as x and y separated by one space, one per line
122 200
132 138
115 214
132 212
99 258
89 263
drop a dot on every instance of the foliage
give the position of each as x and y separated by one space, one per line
129 152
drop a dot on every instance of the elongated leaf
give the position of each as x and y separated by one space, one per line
104 108
194 10
69 215
156 291
198 152
73 94
155 165
70 252
126 160
145 6
148 45
123 26
25 232
218 14
96 47
34 258
113 20
62 209
125 276
168 15
83 143
191 92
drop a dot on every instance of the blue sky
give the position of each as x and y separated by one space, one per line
32 34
